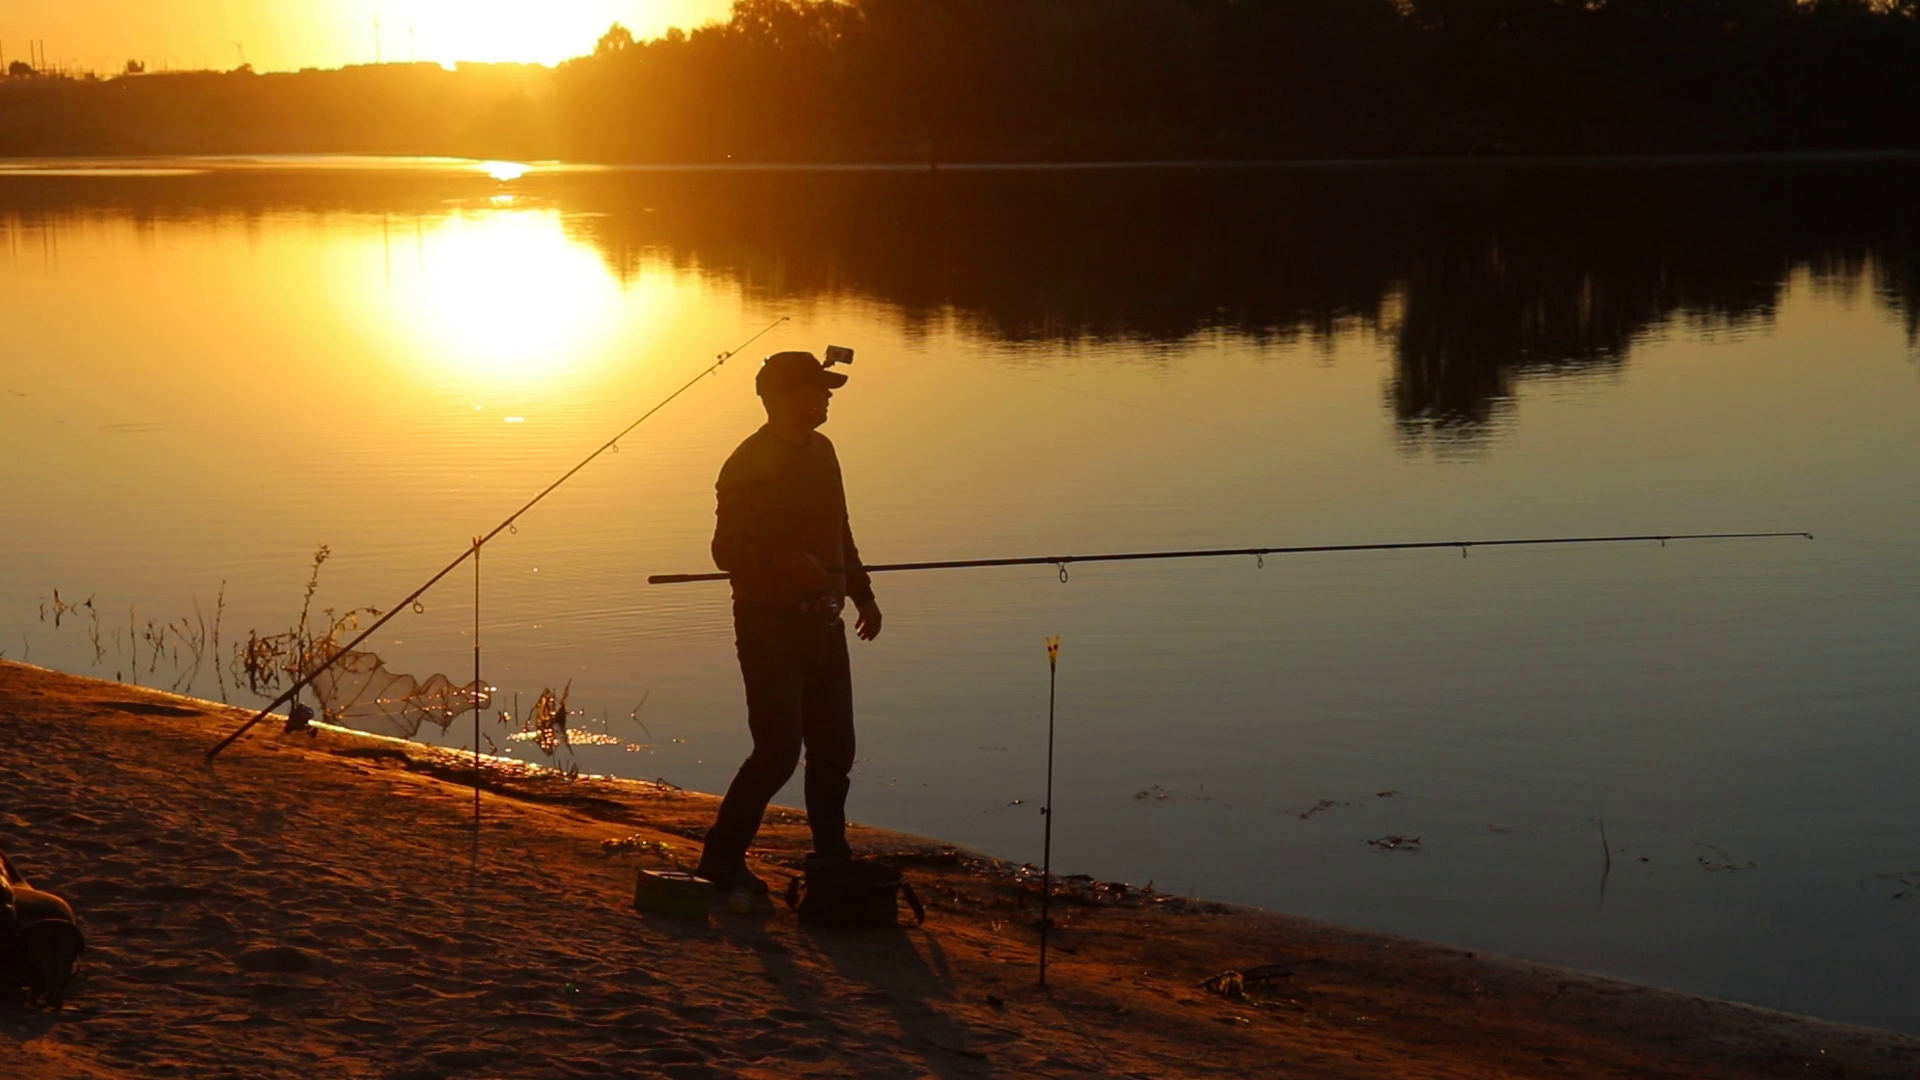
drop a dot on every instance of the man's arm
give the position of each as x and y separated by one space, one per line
859 587
859 583
733 548
737 552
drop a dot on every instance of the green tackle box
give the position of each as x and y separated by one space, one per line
672 894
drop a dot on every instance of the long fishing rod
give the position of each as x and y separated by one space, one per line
1063 561
473 552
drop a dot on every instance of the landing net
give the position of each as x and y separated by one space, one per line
358 691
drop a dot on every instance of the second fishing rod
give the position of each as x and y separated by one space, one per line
1061 562
306 678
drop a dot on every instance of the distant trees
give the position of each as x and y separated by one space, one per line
480 110
1025 80
617 39
20 69
135 67
911 79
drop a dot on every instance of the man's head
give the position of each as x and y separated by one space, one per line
795 388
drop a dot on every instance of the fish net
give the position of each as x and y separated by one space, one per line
357 691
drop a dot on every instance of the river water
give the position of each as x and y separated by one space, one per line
210 369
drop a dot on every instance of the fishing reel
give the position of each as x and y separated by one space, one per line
838 354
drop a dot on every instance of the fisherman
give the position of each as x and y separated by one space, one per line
782 533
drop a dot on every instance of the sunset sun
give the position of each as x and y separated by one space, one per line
502 31
288 35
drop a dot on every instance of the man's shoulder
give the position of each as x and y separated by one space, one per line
751 449
763 443
764 452
758 454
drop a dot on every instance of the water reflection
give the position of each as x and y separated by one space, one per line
1478 278
503 293
504 171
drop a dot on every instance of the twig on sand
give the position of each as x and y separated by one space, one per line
1606 853
1323 804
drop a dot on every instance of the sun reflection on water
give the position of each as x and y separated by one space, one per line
506 294
505 171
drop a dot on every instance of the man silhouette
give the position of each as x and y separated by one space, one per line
781 531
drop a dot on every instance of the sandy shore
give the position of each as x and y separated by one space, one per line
321 906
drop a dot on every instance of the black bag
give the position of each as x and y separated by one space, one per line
851 892
39 937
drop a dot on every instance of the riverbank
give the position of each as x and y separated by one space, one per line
321 906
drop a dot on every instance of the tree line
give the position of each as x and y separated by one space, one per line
961 80
929 81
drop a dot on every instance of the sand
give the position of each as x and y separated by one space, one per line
321 906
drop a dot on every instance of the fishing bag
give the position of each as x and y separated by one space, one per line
851 893
39 937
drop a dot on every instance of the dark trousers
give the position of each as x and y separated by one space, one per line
799 694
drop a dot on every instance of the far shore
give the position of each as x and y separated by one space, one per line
321 905
25 164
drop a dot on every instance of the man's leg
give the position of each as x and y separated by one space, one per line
828 708
773 666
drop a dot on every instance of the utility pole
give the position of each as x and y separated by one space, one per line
377 56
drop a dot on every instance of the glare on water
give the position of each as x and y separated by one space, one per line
502 294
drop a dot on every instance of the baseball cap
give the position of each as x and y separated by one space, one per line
784 370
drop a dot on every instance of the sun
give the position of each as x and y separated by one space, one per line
517 31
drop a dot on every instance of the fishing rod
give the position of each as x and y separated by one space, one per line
479 542
1063 561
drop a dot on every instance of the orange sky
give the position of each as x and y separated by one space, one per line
287 34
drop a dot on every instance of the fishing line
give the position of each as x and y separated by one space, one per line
1108 398
1151 410
1396 478
1875 543
412 599
1371 466
1337 455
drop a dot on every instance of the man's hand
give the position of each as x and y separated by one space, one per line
803 570
868 624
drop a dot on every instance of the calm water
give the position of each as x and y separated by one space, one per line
207 372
